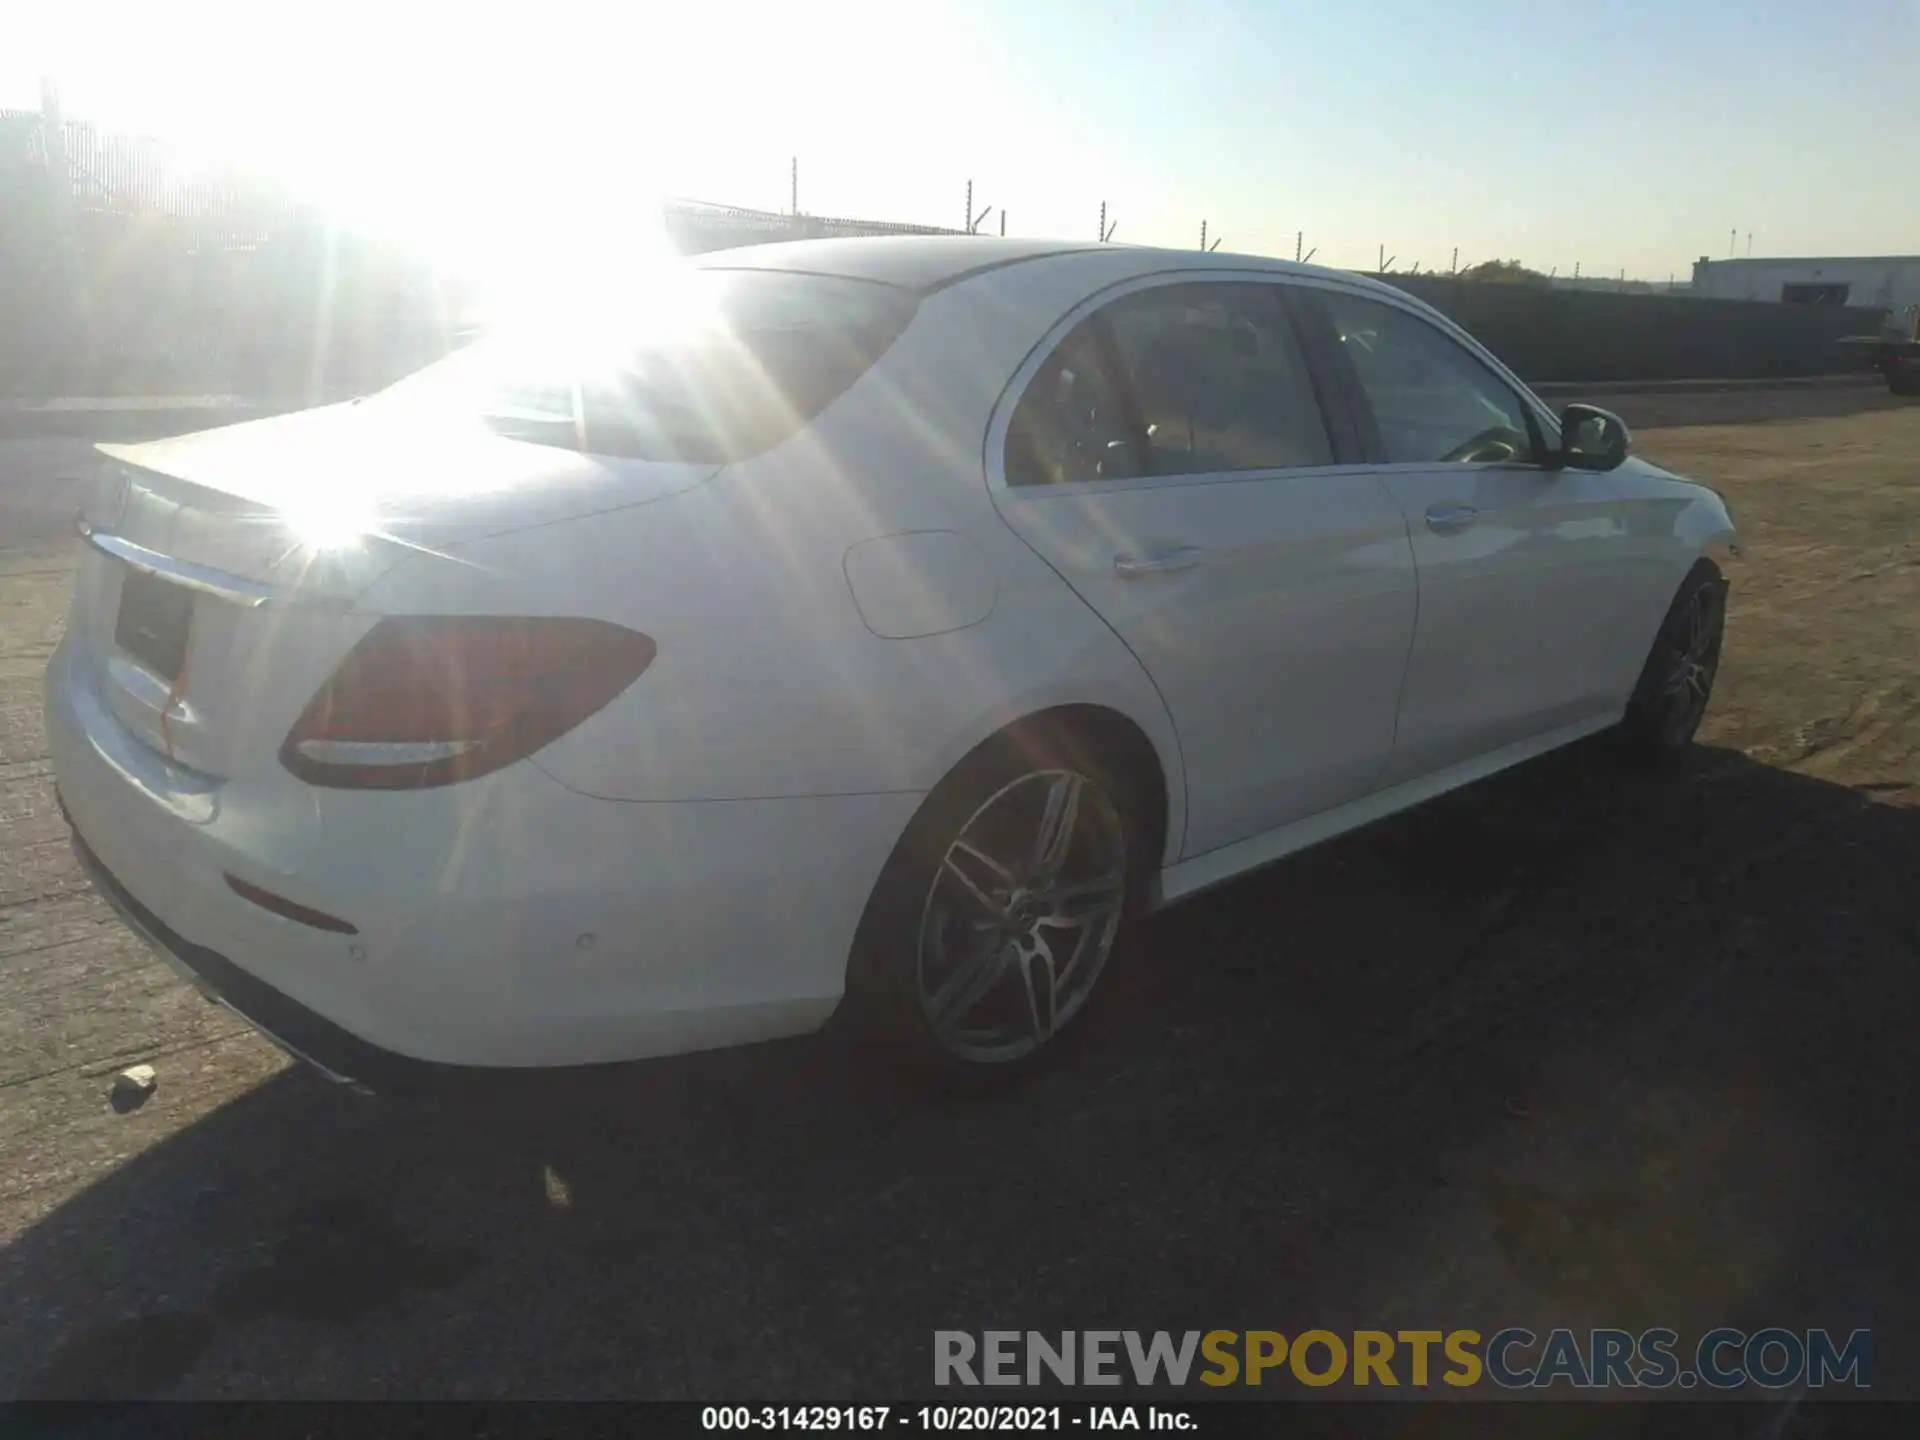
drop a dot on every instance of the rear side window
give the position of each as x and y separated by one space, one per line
742 361
1191 379
1072 422
1219 380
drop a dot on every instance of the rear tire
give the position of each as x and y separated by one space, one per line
1904 381
1676 682
1000 910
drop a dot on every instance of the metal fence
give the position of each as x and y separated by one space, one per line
1580 335
121 274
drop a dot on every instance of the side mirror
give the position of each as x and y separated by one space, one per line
1592 438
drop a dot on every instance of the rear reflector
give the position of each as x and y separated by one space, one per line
288 910
430 700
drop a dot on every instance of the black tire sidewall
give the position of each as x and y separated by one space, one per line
1648 726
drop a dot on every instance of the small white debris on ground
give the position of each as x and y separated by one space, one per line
132 1088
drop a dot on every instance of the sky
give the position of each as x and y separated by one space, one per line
1616 136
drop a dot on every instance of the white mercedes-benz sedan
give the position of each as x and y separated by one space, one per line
861 626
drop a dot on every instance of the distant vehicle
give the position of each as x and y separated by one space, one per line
1895 352
881 636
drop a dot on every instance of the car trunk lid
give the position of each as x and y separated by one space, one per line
218 590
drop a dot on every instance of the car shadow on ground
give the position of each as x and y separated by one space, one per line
1627 1049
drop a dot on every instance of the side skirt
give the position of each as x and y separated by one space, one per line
1190 877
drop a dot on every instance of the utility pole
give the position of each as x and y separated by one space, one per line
1733 241
1003 221
793 191
1103 222
1299 239
969 210
1749 244
1381 268
1576 269
1203 234
1456 261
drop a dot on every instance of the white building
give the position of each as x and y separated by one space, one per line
1888 282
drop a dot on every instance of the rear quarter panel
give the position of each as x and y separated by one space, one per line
769 681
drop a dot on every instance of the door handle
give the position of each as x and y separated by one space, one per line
1158 563
1448 518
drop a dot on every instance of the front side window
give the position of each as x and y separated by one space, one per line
1433 400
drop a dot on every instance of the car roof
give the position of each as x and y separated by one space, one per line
914 262
926 263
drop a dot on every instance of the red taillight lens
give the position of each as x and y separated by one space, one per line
430 700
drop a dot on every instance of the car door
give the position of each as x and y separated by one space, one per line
1167 453
1524 568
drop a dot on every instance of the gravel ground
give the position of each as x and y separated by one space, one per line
1572 1048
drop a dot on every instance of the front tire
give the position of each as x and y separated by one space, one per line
1676 682
1904 381
1000 909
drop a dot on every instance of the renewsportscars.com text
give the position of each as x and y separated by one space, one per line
1513 1358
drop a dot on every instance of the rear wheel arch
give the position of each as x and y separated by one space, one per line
1108 734
1124 747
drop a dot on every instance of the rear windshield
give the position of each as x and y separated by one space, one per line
725 366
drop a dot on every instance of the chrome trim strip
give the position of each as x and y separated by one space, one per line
240 591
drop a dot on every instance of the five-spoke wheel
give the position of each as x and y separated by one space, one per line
1021 915
1002 905
1677 681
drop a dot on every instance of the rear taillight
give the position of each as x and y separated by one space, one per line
424 701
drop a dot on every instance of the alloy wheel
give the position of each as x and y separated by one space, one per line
1022 915
1688 680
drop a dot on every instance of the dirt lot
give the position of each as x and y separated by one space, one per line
1574 1048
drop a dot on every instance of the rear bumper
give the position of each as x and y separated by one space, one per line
505 923
340 1056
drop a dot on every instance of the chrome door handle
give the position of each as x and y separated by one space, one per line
1448 518
1159 563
